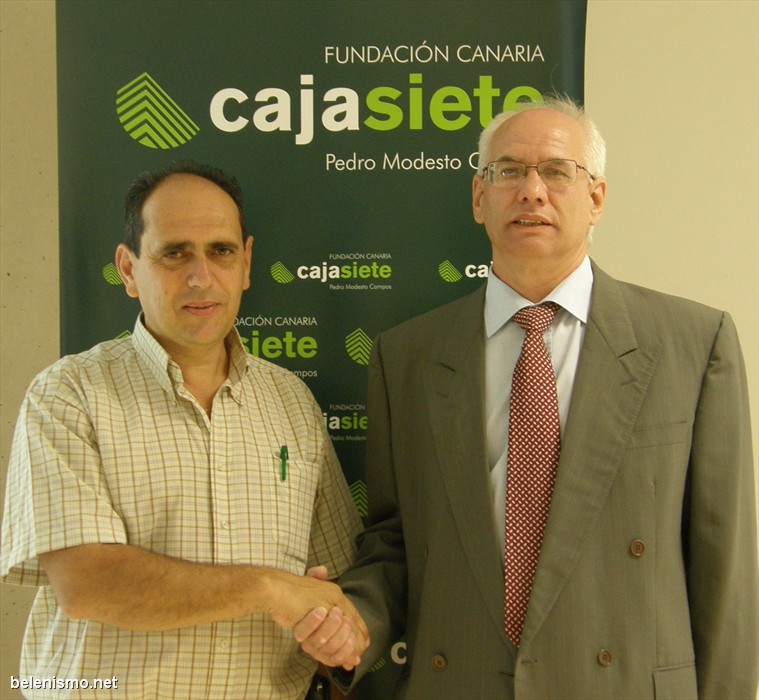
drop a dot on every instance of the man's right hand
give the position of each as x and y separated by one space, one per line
331 638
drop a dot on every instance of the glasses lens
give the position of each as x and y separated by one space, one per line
506 173
558 173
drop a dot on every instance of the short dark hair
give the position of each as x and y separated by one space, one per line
145 184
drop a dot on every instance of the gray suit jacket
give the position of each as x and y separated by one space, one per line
646 585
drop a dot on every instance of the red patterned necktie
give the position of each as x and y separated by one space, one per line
534 444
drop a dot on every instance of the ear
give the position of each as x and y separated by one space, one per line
125 266
248 259
598 198
478 190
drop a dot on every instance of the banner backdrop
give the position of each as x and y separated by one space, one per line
352 127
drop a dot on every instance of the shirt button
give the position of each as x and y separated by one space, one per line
604 658
637 548
439 663
224 524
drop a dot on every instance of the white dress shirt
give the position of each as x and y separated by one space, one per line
503 343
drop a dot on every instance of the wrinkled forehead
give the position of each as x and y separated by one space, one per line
538 134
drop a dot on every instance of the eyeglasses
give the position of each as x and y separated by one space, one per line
555 174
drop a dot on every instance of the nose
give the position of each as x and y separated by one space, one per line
199 276
532 187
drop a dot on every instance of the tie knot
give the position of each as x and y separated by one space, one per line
536 318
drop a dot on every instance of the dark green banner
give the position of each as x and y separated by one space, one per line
352 127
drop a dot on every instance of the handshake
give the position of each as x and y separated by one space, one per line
324 622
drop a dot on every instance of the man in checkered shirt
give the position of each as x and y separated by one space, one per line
168 492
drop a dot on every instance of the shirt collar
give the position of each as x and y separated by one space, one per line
169 374
572 293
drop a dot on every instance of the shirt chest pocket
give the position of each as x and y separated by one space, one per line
291 509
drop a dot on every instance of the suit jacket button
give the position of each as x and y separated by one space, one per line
439 663
604 658
637 547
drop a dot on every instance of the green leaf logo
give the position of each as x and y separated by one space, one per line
360 497
111 274
281 274
448 272
151 117
359 346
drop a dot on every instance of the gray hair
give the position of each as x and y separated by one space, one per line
595 146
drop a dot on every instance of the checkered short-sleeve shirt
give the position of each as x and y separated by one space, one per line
110 448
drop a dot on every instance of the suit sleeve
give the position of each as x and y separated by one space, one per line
720 528
377 581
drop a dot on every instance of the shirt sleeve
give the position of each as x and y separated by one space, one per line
56 493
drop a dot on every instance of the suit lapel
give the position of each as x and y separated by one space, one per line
454 384
612 377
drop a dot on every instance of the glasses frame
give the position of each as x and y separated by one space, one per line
487 174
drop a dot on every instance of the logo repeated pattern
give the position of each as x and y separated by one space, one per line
151 117
111 274
448 272
360 497
358 345
280 274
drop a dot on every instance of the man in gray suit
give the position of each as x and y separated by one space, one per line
646 581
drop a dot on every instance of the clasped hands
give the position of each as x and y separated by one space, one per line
333 632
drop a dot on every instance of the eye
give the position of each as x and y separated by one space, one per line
557 171
509 171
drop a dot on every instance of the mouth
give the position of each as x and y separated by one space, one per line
201 308
530 222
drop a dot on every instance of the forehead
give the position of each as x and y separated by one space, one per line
190 204
538 134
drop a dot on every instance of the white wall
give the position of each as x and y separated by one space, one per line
672 83
28 245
